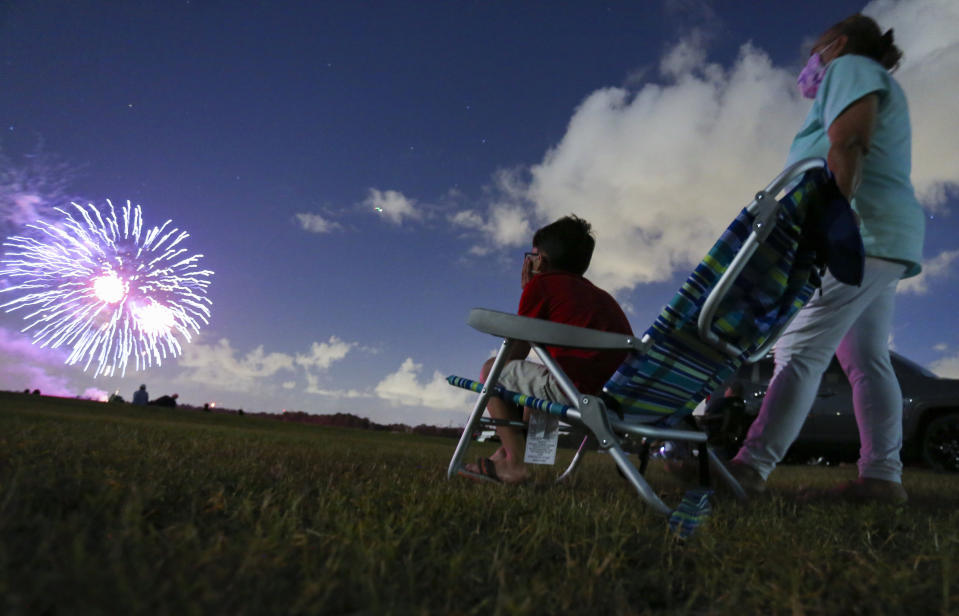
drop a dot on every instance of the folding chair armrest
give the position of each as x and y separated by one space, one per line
540 331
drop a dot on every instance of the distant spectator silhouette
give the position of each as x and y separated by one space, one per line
169 401
141 397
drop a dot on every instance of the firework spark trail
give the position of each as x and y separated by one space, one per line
94 286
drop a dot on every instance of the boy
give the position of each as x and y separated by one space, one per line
553 289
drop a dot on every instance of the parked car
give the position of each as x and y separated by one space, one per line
930 415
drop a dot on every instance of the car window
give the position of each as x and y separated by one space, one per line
913 366
761 372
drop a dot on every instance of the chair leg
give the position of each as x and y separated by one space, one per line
456 463
636 480
703 465
644 456
593 415
724 475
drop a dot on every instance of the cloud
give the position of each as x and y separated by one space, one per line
660 172
24 365
22 208
30 186
507 221
684 58
393 206
338 393
222 366
313 387
946 367
510 225
15 344
661 169
323 354
219 366
314 223
469 219
403 387
506 225
928 34
932 269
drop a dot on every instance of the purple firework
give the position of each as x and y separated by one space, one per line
105 288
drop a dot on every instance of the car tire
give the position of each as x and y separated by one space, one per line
940 443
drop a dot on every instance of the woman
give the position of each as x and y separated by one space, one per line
859 122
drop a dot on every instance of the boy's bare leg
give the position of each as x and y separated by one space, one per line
508 459
499 454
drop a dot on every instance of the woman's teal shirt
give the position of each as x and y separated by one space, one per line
893 223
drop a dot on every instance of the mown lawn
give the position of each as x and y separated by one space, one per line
112 509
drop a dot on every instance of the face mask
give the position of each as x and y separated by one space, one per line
812 74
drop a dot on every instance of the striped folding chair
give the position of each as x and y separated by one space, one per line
730 310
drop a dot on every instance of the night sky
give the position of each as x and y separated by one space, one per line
360 174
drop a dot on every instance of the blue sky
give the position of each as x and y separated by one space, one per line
360 174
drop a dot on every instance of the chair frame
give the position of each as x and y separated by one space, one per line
589 411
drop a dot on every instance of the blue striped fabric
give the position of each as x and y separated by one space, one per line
553 408
692 511
679 370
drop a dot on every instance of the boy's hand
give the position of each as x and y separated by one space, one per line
527 270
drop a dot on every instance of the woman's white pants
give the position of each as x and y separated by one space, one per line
853 323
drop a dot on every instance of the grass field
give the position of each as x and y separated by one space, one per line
123 510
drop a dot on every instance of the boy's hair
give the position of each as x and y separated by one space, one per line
568 244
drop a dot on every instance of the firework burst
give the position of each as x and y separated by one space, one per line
106 288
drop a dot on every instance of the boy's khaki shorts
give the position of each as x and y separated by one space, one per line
532 379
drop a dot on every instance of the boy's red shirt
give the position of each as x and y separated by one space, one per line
564 297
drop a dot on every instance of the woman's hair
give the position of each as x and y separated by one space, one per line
866 39
568 244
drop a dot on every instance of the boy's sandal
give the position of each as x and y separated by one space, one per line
486 472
